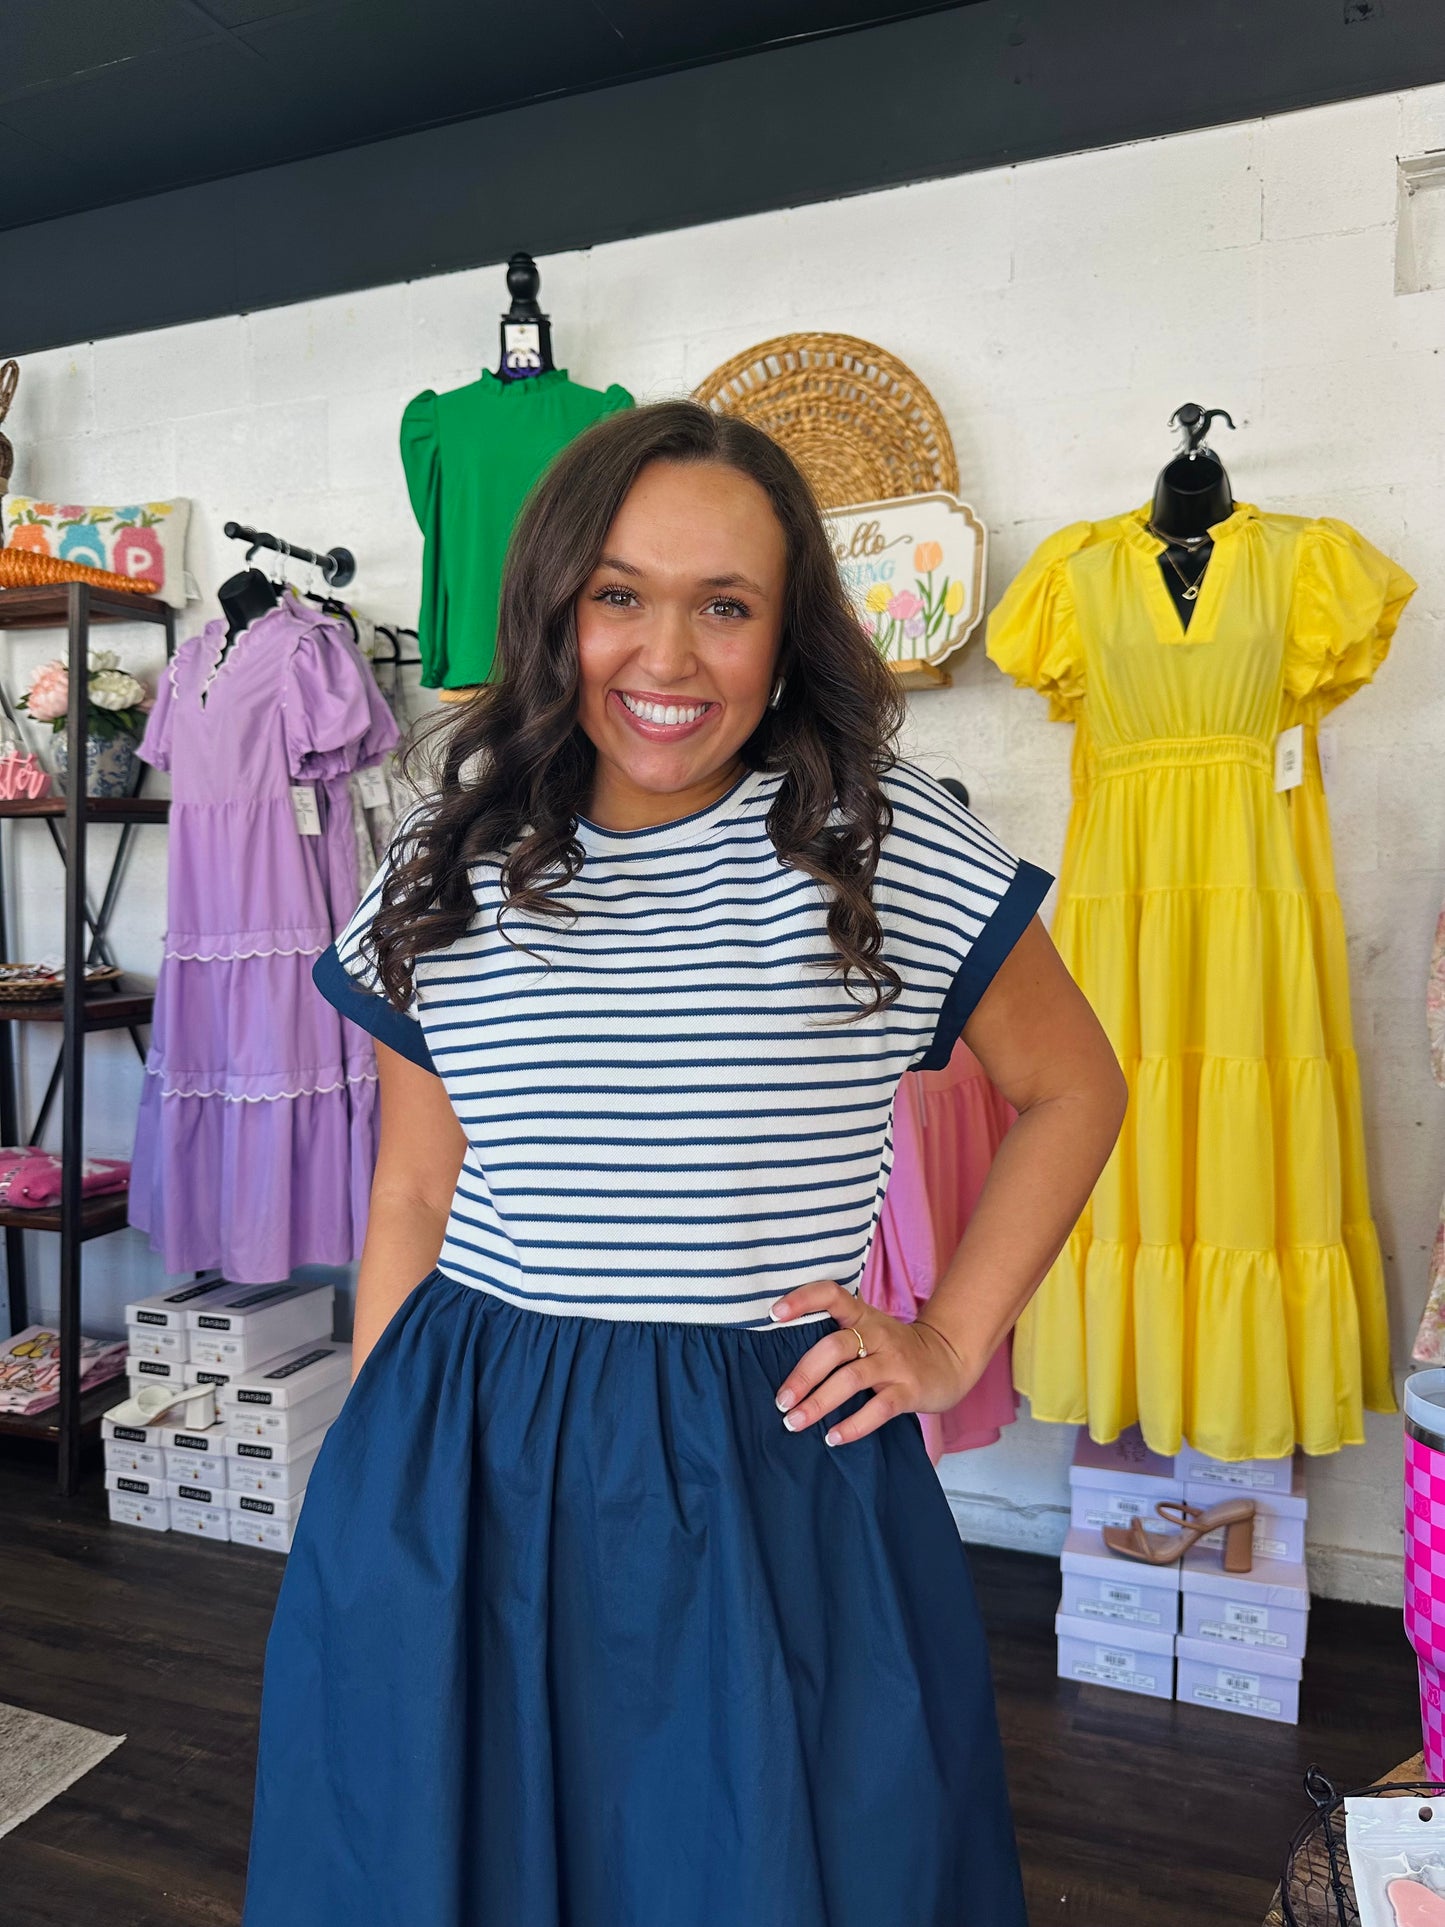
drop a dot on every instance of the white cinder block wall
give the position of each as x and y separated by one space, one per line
1059 311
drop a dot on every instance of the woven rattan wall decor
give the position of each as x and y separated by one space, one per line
873 442
861 426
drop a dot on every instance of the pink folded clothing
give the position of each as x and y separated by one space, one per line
30 1177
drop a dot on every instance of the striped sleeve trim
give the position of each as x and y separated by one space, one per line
1017 907
372 1012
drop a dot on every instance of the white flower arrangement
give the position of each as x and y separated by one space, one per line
116 703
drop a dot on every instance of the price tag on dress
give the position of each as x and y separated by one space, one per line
303 802
1289 758
371 787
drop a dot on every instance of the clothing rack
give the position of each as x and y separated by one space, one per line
337 565
396 659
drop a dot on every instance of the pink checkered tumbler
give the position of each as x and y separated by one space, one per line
1425 1553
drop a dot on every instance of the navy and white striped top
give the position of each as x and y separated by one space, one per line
665 1124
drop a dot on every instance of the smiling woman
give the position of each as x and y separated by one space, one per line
670 555
643 1638
675 666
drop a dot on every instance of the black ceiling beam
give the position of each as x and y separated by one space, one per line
913 100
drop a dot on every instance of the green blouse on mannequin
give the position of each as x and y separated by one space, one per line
470 456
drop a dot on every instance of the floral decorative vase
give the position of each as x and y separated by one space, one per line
109 762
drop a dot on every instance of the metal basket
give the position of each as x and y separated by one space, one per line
1317 1889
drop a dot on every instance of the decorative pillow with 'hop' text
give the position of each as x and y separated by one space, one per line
146 539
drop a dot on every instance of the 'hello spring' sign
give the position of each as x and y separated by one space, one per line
914 567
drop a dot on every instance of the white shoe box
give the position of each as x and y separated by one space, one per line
209 1469
137 1509
260 1505
283 1425
220 1375
204 1521
1239 1475
1111 1484
268 1320
141 1370
143 1342
290 1380
196 1493
1261 1684
201 1452
274 1478
1279 1519
1108 1590
151 1434
166 1310
1129 1658
121 1455
269 1450
1265 1609
249 1529
137 1485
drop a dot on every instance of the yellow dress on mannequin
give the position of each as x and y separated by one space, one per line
1223 1285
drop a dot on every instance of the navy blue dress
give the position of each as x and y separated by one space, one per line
574 1632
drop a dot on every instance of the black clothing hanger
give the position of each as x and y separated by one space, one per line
1191 494
394 636
526 331
396 661
330 606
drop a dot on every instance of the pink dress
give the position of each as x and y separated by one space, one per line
947 1126
255 1141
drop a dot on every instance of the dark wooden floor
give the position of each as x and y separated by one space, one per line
1131 1812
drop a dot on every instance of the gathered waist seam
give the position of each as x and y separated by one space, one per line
1183 752
582 1313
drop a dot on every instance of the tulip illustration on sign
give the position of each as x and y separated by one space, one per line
915 570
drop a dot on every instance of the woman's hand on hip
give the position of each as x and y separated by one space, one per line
907 1367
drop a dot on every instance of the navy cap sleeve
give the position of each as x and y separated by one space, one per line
954 901
345 973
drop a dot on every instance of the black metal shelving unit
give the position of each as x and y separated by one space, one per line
122 1003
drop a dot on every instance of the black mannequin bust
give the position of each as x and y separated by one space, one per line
243 598
1191 494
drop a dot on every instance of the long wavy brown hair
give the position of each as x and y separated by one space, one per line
515 769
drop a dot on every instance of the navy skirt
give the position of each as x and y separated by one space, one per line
574 1633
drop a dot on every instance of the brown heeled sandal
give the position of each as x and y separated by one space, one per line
1162 1549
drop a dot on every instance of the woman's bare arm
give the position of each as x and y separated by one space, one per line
1040 1042
1036 1035
418 1159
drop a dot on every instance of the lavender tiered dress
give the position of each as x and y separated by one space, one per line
256 1137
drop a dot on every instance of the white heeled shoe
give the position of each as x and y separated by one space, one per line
152 1403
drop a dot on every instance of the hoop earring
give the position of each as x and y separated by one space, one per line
777 695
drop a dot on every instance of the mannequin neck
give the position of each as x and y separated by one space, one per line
244 597
1190 496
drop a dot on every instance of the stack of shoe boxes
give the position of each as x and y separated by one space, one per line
1118 1619
1190 1629
274 1419
1242 1638
279 1380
